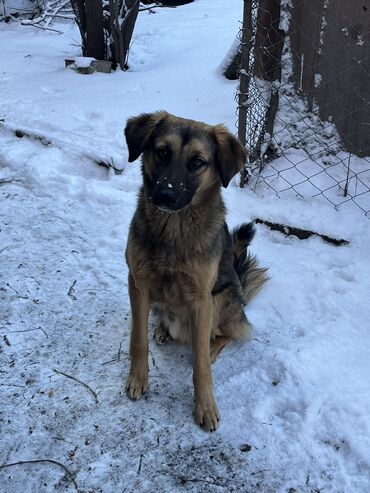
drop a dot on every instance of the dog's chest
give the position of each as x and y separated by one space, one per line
172 288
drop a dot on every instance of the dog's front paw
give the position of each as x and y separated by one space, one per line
206 413
137 385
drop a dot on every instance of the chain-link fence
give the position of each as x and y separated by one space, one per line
305 93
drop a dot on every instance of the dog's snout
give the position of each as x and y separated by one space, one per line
168 198
171 198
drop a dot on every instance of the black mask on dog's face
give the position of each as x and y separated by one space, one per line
172 193
174 163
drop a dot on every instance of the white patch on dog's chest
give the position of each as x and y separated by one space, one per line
178 325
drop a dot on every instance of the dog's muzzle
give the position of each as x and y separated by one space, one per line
171 199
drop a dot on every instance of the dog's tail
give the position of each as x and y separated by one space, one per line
251 277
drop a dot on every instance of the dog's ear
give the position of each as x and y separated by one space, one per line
231 154
138 131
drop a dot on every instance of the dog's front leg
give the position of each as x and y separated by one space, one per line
205 411
137 382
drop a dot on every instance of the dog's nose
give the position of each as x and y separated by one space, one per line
168 198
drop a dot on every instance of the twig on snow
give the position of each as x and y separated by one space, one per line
6 340
261 342
60 144
5 182
119 352
184 480
156 6
13 289
153 360
44 461
258 472
117 358
72 290
29 330
79 381
300 233
140 462
114 360
12 385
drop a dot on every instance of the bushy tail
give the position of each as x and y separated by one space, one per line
251 277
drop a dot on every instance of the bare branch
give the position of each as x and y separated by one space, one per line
44 461
72 290
302 234
29 330
80 382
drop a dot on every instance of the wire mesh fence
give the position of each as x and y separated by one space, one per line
305 91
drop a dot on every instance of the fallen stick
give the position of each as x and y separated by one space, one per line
29 330
72 290
184 480
79 381
60 144
302 234
42 461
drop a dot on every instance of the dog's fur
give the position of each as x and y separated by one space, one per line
182 260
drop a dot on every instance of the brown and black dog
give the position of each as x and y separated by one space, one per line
182 260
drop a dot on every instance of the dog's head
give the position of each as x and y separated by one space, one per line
182 158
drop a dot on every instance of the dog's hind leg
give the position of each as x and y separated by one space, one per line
161 333
217 345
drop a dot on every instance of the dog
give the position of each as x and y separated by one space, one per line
183 262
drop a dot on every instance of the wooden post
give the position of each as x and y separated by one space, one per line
268 46
244 77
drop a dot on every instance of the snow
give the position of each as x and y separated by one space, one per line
298 393
22 7
83 61
230 55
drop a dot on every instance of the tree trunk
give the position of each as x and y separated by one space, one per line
95 46
123 14
106 32
128 28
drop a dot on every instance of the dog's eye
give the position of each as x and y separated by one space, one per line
197 163
162 153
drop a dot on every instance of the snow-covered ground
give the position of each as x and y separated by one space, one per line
298 393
